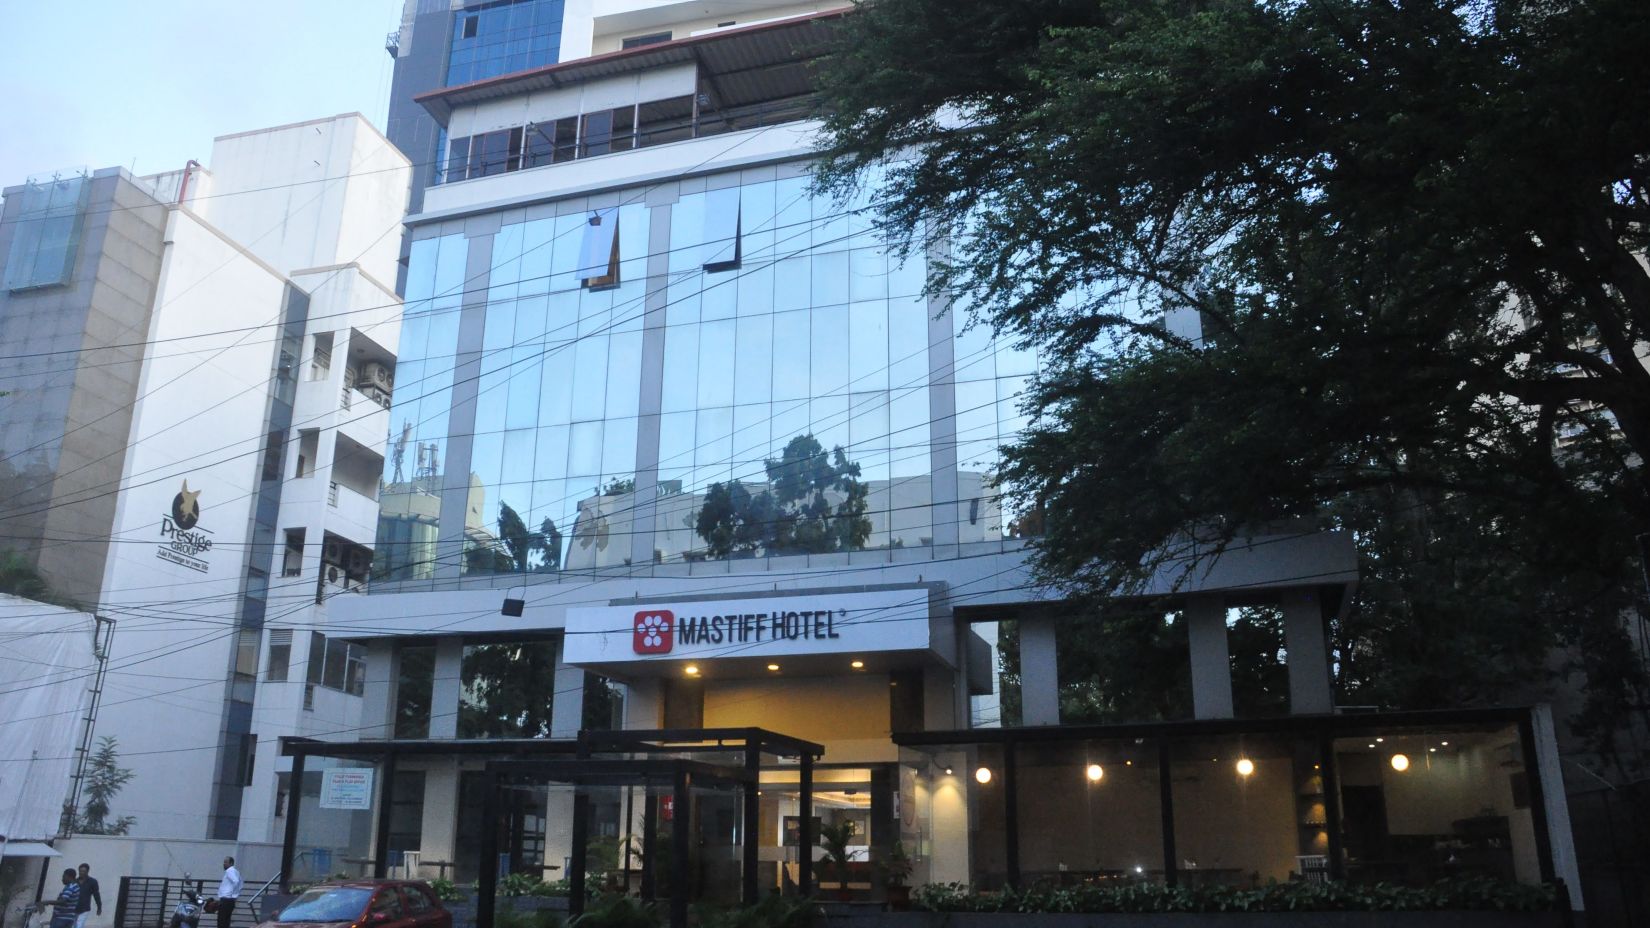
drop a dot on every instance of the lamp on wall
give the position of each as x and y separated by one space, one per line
1245 767
1400 762
983 775
1095 773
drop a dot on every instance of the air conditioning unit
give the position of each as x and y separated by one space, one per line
376 374
333 553
360 561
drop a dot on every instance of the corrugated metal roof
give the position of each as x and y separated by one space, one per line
745 65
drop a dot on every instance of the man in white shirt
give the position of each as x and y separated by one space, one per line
229 889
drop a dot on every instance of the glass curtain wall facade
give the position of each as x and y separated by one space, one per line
792 367
490 39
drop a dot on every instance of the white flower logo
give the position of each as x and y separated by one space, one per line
652 628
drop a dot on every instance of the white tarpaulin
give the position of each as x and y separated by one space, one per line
46 669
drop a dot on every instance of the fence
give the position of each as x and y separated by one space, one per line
148 901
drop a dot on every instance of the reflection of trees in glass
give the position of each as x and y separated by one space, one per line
508 690
796 514
518 550
603 701
413 691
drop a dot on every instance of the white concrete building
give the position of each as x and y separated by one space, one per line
245 483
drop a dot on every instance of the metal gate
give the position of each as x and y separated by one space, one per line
148 901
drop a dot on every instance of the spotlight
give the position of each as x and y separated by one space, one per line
1245 767
1095 772
1400 762
983 775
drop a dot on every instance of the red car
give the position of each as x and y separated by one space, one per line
365 904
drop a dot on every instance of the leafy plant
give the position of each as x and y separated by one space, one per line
835 839
895 865
772 911
1470 893
448 891
618 911
103 781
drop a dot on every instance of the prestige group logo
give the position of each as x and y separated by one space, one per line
654 632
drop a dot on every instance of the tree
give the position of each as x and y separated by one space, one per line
104 780
1411 233
795 515
508 690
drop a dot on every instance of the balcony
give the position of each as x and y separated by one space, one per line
351 513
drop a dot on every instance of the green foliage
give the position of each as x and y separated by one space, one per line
104 779
18 577
1422 307
895 865
835 840
796 514
772 911
1473 893
523 550
618 911
508 690
448 891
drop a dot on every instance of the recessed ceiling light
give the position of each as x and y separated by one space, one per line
773 666
858 665
691 670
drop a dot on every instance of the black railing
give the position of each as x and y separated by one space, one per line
148 901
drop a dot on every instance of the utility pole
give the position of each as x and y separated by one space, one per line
102 634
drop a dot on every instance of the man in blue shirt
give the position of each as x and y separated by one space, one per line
63 907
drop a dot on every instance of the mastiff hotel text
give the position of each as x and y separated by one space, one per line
679 450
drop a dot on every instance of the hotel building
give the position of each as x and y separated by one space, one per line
687 533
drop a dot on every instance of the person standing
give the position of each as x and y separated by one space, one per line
88 895
63 907
229 890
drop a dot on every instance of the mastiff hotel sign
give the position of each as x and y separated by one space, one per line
703 635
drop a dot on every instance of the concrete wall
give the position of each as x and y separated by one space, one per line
191 427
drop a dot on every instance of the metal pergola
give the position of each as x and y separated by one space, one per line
662 758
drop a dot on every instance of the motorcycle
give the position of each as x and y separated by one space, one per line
188 912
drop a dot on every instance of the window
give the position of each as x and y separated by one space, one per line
246 653
599 255
458 159
540 145
471 24
722 251
413 689
653 38
500 152
47 234
292 561
272 455
662 121
246 761
598 133
567 139
388 901
280 655
417 902
336 665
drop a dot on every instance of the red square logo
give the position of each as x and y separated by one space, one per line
655 632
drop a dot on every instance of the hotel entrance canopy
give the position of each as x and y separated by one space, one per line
674 771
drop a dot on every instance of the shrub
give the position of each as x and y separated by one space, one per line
773 911
618 911
510 918
448 891
1470 893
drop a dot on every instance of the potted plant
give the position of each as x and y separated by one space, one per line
896 867
834 839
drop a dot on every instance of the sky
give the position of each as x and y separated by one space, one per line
147 84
